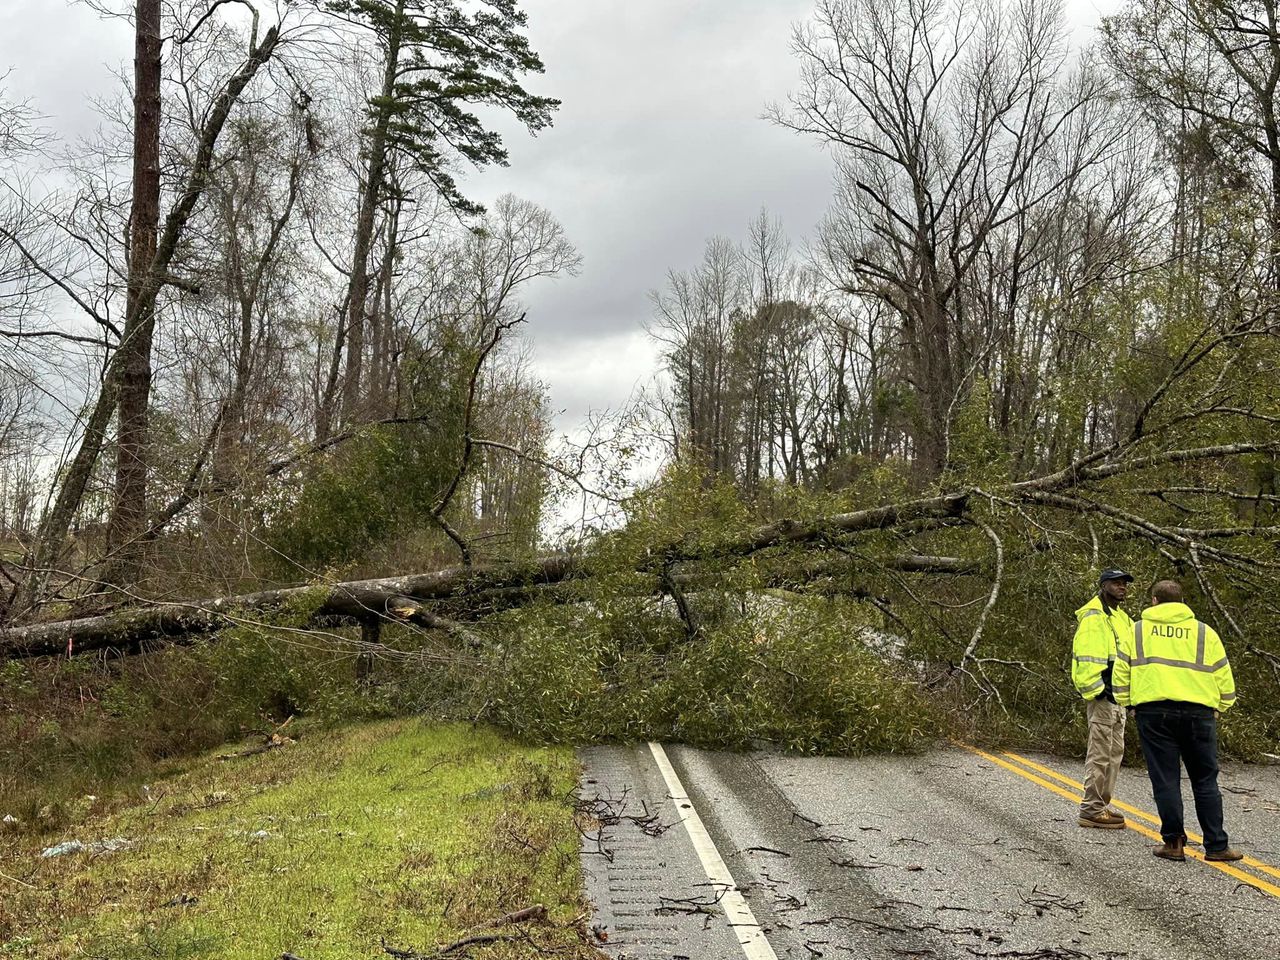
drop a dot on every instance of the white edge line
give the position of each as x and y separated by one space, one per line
741 920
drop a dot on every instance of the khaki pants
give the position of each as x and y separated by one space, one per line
1103 754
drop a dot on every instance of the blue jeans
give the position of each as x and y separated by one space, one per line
1175 733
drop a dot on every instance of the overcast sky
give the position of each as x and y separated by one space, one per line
659 145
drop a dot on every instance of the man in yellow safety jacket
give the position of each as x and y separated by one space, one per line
1100 624
1173 672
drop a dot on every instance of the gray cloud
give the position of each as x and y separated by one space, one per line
659 145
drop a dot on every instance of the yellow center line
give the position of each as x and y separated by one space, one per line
1240 875
1140 814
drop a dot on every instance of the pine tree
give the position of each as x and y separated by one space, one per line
440 62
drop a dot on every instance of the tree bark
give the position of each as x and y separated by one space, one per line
129 503
392 598
402 599
375 176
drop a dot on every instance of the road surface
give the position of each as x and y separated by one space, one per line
955 854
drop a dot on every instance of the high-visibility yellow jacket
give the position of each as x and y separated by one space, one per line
1094 649
1170 655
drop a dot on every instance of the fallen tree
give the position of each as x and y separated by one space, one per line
423 599
396 599
419 599
1165 443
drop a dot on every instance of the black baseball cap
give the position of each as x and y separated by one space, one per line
1115 574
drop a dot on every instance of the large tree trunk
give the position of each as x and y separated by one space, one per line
402 597
50 542
129 503
468 591
392 598
375 175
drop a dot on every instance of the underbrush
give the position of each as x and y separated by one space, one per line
790 672
104 727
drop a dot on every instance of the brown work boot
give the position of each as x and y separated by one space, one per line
1103 820
1223 856
1171 850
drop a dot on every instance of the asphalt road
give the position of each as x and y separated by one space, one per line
954 854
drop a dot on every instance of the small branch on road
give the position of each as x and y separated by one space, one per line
689 905
854 865
781 853
1042 901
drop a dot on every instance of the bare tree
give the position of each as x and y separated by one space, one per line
1212 67
944 117
136 335
694 319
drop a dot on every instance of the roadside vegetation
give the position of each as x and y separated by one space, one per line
336 842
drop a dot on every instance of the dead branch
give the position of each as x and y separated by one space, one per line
992 598
570 475
535 912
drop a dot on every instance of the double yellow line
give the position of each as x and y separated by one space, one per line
1028 765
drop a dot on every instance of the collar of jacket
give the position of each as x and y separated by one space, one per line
1168 613
1094 604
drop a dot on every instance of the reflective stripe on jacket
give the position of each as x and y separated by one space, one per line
1094 648
1170 655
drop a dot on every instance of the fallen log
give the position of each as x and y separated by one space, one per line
453 592
487 600
397 599
401 598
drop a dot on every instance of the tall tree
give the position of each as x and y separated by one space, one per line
946 119
440 60
129 507
694 321
136 336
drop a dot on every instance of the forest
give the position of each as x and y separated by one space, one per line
272 444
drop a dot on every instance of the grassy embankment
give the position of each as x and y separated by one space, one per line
398 834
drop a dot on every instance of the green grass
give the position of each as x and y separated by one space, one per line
400 833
